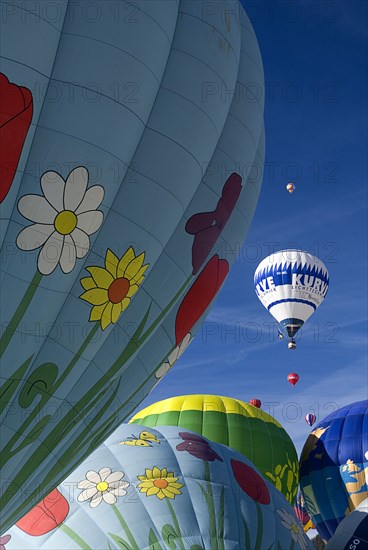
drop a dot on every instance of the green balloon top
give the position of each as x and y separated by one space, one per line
237 424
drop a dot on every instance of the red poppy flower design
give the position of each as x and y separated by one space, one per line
198 447
199 296
207 226
46 516
16 109
250 482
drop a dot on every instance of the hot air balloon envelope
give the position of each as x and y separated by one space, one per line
310 419
334 467
293 378
234 423
162 488
256 403
119 181
291 284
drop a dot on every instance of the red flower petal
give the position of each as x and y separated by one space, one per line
199 296
207 226
251 483
46 516
16 109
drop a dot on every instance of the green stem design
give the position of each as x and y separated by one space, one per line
246 536
292 544
124 525
7 450
73 535
210 505
259 527
20 311
66 424
176 525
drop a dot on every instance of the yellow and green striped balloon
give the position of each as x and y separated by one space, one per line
234 423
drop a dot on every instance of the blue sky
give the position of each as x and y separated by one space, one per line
314 56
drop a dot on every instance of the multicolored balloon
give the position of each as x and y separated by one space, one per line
293 378
334 467
290 187
301 512
310 419
256 403
291 284
232 422
120 183
178 491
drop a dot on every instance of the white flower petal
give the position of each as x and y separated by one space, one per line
294 536
119 491
75 188
92 199
85 484
81 242
87 494
52 185
34 236
93 476
96 500
173 356
109 498
283 514
114 476
90 221
161 371
68 255
104 473
185 343
50 253
36 209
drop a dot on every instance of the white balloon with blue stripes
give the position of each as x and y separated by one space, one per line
291 284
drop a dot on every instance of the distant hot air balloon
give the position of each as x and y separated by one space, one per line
182 491
291 284
334 467
111 212
237 424
290 187
310 418
256 403
293 378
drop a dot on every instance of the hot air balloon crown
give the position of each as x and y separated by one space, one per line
285 267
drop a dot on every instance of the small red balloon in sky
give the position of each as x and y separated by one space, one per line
256 403
293 378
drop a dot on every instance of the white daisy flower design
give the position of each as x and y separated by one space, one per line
174 356
63 219
103 485
296 530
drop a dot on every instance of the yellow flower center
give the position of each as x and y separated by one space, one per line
65 222
294 528
118 290
160 483
102 486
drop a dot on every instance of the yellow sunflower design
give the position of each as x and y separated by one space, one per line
110 288
161 483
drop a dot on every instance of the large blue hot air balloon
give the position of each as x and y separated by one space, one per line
334 467
162 488
131 160
291 284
